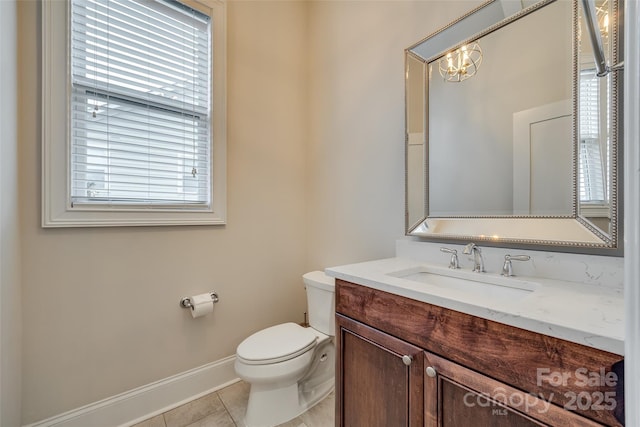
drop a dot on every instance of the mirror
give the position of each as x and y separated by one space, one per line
511 138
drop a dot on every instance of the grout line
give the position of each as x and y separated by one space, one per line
227 410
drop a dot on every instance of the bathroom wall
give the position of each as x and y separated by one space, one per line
356 138
315 143
101 312
315 178
10 319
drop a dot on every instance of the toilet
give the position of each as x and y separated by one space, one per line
291 368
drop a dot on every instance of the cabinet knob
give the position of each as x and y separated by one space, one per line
431 372
407 360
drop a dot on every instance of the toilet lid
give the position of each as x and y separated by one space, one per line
276 344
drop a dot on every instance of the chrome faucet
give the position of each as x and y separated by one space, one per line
507 268
478 261
453 263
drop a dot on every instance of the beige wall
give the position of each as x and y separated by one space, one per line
356 138
101 311
10 319
315 178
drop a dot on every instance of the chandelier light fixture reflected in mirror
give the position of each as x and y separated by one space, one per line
602 15
461 64
603 20
598 19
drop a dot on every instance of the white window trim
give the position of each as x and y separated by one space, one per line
56 201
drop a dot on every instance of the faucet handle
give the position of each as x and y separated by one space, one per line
453 263
507 268
469 248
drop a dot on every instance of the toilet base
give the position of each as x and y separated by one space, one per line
268 407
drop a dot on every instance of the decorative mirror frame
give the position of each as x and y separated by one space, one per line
552 233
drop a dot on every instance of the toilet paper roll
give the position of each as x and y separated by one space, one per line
201 305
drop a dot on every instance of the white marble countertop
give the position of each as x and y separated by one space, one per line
577 312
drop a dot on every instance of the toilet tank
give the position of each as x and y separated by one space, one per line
321 301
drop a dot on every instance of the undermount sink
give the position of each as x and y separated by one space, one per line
471 284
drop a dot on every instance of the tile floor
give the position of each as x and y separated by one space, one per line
225 408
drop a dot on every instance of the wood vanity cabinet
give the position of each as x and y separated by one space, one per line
402 362
384 377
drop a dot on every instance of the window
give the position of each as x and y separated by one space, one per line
144 137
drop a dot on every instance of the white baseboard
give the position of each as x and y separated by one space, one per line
139 404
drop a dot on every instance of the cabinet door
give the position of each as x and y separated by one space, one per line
459 397
379 378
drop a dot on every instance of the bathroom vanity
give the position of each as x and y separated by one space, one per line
412 352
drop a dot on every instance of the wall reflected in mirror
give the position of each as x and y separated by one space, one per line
416 144
499 171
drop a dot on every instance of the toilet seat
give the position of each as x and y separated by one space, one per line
276 344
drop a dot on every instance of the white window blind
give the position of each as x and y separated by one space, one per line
140 104
591 160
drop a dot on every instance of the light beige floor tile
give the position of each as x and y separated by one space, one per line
157 421
227 407
322 414
296 422
219 419
235 398
194 411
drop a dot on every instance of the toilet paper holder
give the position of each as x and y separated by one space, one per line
186 301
